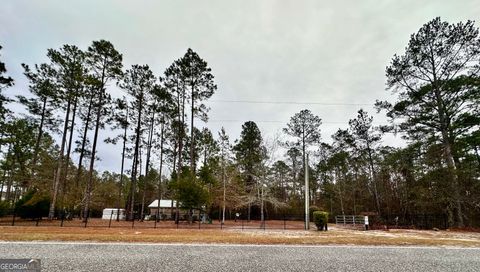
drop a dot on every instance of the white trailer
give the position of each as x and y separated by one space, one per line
112 213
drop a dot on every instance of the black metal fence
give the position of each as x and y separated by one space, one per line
279 222
410 221
274 221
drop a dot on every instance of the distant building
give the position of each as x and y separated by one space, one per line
167 208
111 213
3 193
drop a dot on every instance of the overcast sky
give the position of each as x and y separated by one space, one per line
332 52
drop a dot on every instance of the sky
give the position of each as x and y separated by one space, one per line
279 54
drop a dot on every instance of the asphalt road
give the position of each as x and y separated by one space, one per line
162 257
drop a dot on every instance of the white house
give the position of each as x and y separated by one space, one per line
167 207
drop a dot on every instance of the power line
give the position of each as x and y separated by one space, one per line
288 102
274 122
232 121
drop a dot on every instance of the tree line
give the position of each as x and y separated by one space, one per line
49 150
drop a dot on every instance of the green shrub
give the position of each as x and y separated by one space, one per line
32 205
320 219
4 207
313 209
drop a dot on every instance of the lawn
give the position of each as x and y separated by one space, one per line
335 236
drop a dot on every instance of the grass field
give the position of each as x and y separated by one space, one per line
335 236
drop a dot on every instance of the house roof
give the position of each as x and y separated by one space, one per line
164 203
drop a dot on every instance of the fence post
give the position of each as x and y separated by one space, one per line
133 220
86 220
110 222
63 216
199 221
13 218
38 219
284 222
344 220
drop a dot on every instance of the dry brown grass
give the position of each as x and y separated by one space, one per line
335 236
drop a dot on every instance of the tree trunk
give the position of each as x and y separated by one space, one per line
357 185
374 179
192 136
174 160
448 142
5 173
122 166
340 193
262 216
131 192
135 161
159 196
3 183
294 177
65 175
84 142
39 138
224 187
88 190
477 154
51 211
147 164
10 181
456 191
181 132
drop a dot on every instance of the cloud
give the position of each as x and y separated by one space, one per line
313 51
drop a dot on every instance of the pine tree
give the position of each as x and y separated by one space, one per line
104 64
68 65
436 82
305 127
42 105
139 82
366 138
249 153
5 82
198 80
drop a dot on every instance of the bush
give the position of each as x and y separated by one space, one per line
32 205
4 208
95 212
320 219
313 209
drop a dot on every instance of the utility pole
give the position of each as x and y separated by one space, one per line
307 196
262 206
224 187
160 187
